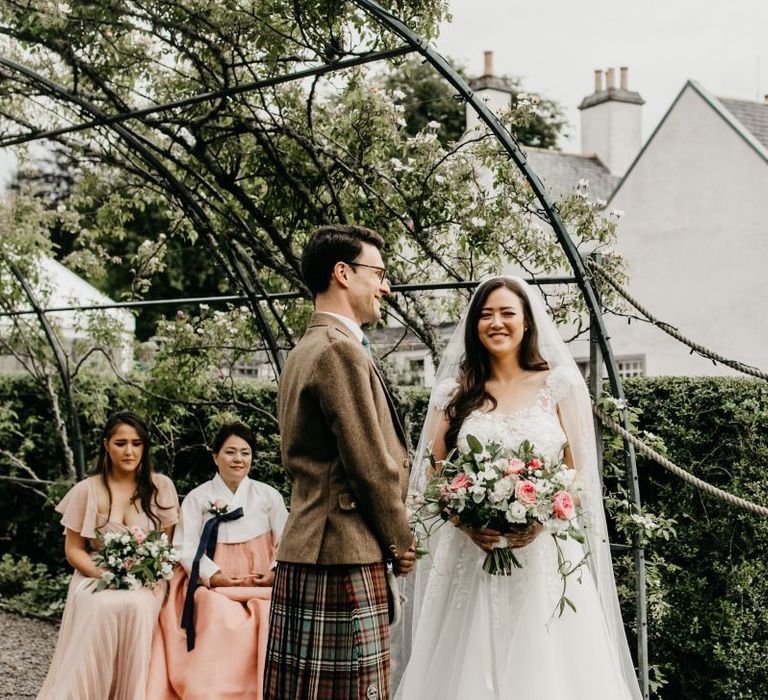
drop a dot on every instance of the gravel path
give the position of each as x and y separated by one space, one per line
26 647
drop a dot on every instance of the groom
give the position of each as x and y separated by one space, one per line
345 449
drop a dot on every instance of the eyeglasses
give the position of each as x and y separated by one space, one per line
381 272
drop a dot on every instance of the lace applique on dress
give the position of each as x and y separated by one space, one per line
538 423
559 383
443 393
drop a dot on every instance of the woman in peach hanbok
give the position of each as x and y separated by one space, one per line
211 639
104 643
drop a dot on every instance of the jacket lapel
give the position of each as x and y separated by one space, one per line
321 319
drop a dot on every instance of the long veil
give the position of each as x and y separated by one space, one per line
576 416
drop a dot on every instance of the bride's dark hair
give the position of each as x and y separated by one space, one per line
475 368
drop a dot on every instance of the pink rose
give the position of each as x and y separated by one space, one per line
445 491
138 534
515 467
562 505
460 481
127 564
534 464
525 491
219 503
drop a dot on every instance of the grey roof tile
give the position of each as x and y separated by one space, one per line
561 172
752 115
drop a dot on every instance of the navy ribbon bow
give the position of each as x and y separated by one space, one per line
208 546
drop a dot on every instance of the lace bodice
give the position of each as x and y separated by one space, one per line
537 423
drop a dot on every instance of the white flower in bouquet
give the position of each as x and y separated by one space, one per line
504 488
517 513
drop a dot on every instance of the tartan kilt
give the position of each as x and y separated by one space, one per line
328 633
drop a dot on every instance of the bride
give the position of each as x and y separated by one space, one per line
507 376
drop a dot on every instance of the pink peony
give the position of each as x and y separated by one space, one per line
562 505
534 464
460 481
515 467
525 491
138 534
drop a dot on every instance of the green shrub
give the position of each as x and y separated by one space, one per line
707 629
30 588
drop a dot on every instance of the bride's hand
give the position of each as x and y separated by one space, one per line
483 538
520 539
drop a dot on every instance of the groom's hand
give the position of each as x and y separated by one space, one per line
405 564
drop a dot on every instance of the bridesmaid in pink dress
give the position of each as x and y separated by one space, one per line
104 643
217 649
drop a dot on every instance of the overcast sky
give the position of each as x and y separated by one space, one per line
555 46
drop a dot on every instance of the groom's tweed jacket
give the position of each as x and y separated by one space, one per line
345 450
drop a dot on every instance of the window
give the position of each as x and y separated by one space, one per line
629 366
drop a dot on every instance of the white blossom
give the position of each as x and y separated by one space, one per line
516 513
132 582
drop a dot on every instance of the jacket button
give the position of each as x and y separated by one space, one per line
353 504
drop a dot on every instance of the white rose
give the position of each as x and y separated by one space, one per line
504 488
516 513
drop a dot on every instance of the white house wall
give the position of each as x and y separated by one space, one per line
695 235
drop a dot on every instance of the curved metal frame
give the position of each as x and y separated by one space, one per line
61 366
583 278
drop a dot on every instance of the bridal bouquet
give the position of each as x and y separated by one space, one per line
135 559
508 491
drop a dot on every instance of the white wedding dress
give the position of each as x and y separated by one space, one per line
485 637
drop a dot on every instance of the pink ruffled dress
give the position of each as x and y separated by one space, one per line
231 623
105 638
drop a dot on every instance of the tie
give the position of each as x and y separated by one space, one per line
367 344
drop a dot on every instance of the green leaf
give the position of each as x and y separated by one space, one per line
474 444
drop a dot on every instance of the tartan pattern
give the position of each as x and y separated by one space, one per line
328 633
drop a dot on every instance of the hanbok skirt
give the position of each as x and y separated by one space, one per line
231 625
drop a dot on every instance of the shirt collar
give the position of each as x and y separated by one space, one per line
349 323
222 489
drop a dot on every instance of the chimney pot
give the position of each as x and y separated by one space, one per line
598 80
624 78
765 99
488 59
609 79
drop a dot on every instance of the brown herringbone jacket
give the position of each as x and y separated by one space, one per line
345 450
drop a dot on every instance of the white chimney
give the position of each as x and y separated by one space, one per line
611 121
495 91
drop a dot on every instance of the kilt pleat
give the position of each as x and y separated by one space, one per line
329 634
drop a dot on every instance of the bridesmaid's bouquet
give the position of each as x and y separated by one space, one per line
135 559
508 491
